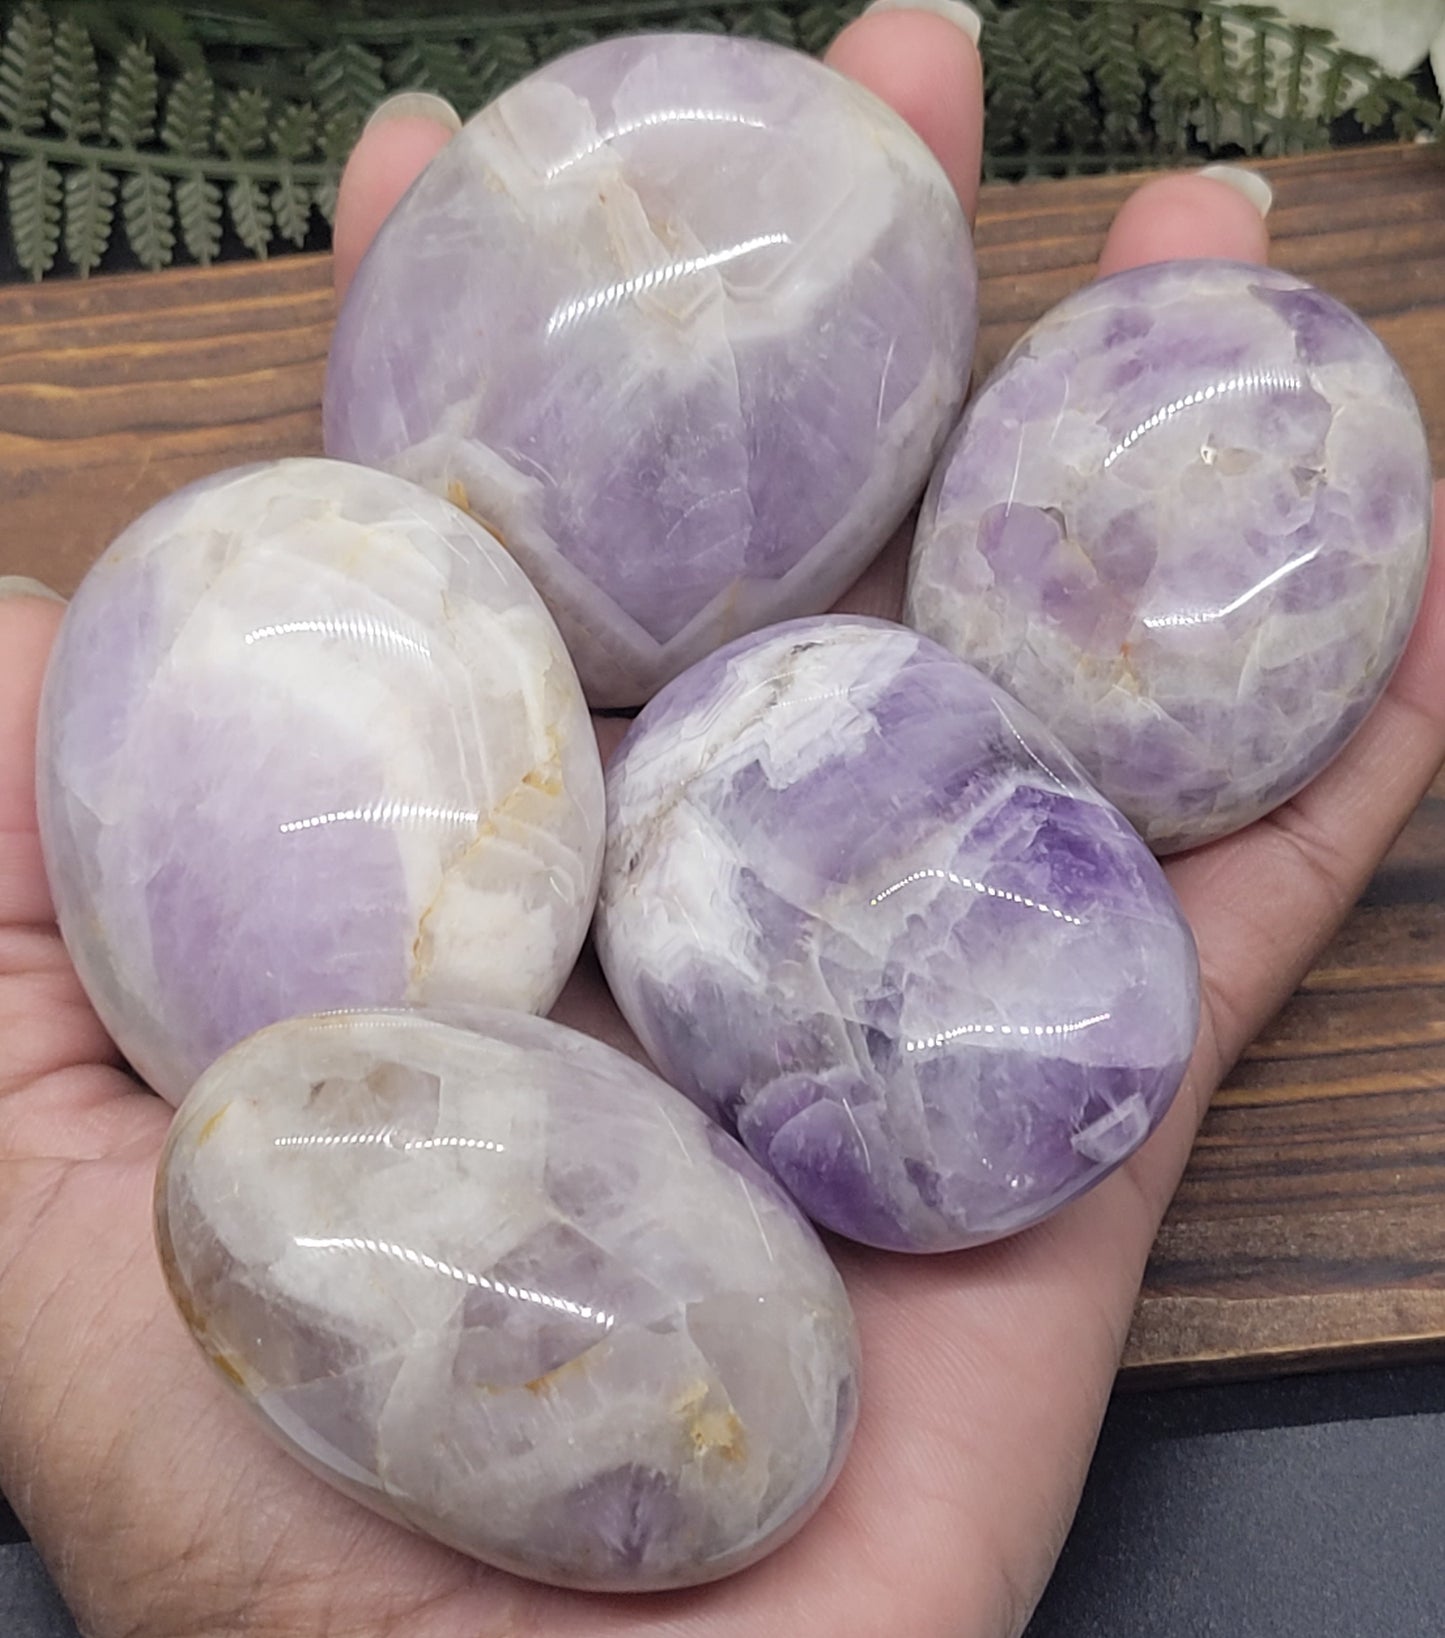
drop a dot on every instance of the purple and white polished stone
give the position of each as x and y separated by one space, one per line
504 1286
685 320
1186 523
310 740
858 904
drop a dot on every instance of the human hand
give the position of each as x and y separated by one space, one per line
164 1513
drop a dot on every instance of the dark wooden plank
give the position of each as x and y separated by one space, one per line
1311 1224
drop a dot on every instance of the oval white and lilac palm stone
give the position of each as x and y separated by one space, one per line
1186 523
863 908
503 1285
685 319
309 739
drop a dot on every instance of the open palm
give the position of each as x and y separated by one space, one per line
162 1511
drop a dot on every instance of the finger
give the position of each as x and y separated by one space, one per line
401 139
27 629
1216 212
928 69
1280 889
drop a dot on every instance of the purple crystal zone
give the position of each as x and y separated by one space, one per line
504 1285
686 321
860 906
255 798
1186 523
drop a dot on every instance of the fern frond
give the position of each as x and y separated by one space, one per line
75 83
89 217
293 137
26 58
291 210
1166 43
190 114
33 193
498 62
1008 88
1111 51
250 215
149 217
1049 34
198 209
243 124
130 118
347 83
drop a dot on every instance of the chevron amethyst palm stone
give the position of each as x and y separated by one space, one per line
310 740
502 1285
1186 523
685 320
860 905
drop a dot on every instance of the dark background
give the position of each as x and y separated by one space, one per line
1307 1507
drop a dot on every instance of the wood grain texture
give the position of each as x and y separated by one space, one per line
1311 1224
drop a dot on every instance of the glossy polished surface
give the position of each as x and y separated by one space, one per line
685 320
1186 523
309 739
857 902
508 1288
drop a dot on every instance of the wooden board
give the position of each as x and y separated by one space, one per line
1311 1224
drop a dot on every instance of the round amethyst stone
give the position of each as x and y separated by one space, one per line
685 320
860 905
310 740
1186 523
504 1286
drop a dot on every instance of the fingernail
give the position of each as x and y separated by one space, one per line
416 105
21 585
1243 180
953 11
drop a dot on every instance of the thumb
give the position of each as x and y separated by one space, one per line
401 138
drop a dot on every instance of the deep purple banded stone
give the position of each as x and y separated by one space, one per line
1186 523
860 906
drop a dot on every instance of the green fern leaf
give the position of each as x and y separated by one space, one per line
326 194
75 91
765 23
1107 37
1050 36
293 137
437 66
26 57
291 208
89 217
33 192
499 60
250 215
130 119
1008 86
149 217
1167 46
244 123
347 83
819 24
190 114
198 209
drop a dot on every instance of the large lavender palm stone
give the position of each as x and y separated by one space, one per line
685 319
858 903
309 740
504 1286
1186 523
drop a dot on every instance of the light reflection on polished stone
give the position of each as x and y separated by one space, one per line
503 1285
311 740
1186 523
857 902
685 320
